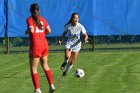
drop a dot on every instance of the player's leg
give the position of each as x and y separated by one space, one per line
66 58
34 73
48 72
70 63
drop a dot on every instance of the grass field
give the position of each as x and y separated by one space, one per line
106 72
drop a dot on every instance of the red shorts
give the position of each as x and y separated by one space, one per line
38 52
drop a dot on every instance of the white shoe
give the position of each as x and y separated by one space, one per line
37 91
52 88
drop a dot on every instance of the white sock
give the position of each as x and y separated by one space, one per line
66 60
52 87
68 68
38 90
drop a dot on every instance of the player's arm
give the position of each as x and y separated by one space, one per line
47 27
48 30
85 34
85 37
63 35
29 30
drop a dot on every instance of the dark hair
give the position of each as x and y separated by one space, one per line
34 7
72 16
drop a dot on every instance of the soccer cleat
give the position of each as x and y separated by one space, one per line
37 91
63 66
52 88
64 74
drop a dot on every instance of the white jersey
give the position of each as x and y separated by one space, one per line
74 42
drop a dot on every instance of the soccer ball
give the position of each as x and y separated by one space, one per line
79 73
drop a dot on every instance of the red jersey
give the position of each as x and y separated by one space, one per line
37 38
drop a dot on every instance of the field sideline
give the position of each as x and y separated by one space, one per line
106 72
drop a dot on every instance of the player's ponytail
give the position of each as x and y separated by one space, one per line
70 21
33 9
72 16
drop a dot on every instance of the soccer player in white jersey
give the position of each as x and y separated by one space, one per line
73 44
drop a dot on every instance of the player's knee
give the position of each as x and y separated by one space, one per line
34 69
71 61
46 67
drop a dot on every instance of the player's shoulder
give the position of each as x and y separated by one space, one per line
80 25
29 18
68 25
41 18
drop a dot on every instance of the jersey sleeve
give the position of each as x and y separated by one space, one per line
46 23
29 22
83 30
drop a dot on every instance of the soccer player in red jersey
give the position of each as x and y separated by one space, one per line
37 29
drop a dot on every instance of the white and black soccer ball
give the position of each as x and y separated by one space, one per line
79 73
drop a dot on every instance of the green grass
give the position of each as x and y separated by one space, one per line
106 72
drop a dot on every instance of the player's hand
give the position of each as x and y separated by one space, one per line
86 41
59 42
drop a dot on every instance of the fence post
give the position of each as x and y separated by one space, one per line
93 44
7 46
6 26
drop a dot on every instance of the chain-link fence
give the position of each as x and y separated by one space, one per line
96 43
117 42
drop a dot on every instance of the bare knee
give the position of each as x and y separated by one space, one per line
45 64
71 61
34 65
34 69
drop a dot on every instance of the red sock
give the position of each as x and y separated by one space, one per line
49 76
35 79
